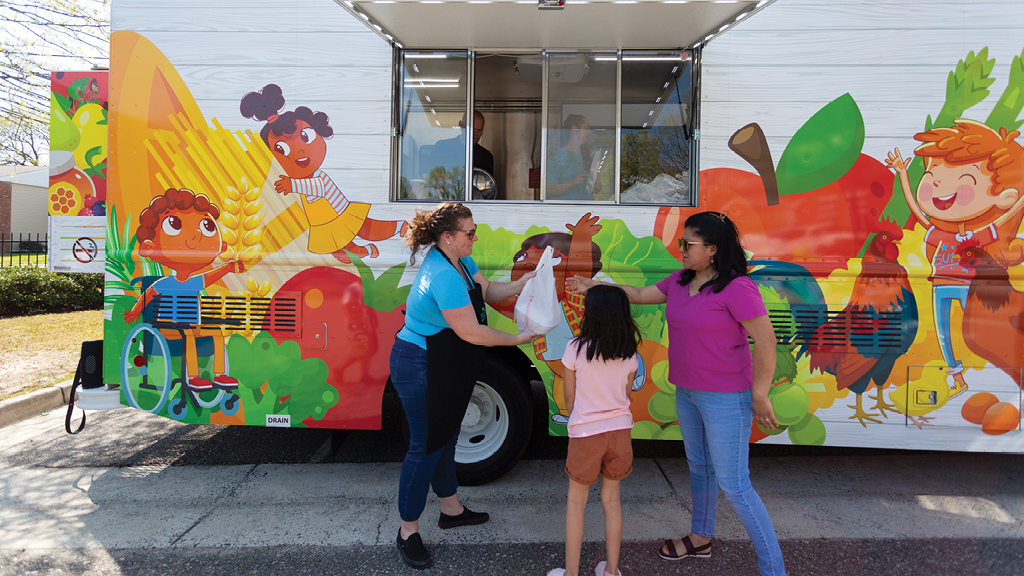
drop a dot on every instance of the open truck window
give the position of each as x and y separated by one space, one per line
558 126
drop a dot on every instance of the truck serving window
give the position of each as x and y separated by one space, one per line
432 100
577 126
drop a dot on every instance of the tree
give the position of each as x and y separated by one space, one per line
39 36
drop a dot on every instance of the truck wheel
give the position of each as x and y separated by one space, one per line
497 425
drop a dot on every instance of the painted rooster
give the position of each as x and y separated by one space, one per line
860 345
993 325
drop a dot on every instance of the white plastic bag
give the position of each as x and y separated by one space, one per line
537 309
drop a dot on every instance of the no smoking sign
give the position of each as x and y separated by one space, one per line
84 250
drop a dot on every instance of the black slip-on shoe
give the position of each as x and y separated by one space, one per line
467 518
413 551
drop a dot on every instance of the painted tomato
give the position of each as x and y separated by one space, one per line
352 338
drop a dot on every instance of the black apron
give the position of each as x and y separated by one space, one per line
453 366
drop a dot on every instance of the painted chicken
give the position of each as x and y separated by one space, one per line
860 344
993 325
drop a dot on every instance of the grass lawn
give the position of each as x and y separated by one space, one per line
42 350
22 260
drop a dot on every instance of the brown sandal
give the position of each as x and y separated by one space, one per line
691 551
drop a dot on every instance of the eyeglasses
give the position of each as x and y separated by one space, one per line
684 245
471 232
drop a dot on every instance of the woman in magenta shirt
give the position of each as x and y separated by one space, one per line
711 309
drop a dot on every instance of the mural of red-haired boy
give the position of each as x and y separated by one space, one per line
969 195
298 141
575 253
178 230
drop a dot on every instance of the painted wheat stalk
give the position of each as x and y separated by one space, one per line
241 227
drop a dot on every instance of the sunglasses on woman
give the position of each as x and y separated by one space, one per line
684 245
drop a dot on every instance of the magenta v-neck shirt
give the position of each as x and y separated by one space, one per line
707 346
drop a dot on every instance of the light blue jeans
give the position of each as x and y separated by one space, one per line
942 306
716 434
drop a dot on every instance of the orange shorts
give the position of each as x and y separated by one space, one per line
609 454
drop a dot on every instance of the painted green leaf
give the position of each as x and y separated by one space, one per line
64 135
382 293
823 149
1006 111
966 85
631 260
493 251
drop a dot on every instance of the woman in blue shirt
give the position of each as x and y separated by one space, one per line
435 363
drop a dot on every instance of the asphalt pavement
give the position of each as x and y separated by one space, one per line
138 494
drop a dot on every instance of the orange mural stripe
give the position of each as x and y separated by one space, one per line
158 157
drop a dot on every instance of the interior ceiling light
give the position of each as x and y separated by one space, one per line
426 56
652 58
550 4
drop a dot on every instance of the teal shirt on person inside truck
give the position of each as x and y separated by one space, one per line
564 166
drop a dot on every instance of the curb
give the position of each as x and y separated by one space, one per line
34 403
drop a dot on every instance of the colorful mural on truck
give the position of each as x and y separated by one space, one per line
76 201
891 275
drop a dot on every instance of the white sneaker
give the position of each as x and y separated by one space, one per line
557 572
599 571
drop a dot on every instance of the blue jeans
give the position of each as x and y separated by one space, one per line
942 306
420 470
716 434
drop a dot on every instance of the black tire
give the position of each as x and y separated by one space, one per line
501 424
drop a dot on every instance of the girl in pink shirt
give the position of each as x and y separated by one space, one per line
599 368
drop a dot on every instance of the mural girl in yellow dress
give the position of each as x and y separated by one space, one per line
298 141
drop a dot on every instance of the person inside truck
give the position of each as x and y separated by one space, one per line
569 167
179 231
452 152
298 141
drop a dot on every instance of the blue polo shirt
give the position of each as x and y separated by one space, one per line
438 286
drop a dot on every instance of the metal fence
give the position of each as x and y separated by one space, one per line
23 249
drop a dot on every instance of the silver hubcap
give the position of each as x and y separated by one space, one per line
484 427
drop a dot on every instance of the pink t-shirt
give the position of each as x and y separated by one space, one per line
707 346
601 403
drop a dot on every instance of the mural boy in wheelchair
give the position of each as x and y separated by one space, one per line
179 231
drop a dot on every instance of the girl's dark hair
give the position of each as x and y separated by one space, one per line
576 121
608 330
266 103
729 261
427 227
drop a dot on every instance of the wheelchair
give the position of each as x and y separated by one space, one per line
147 356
